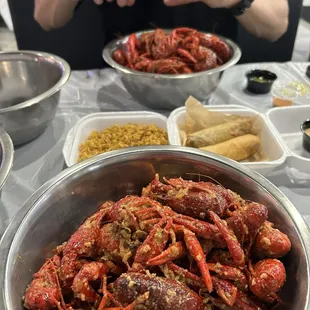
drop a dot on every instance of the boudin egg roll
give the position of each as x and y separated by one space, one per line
220 133
239 148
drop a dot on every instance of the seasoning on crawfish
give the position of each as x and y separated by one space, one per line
157 252
182 51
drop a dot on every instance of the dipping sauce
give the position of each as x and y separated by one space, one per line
260 79
279 102
305 129
283 96
301 88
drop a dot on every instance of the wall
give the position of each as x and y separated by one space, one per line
306 3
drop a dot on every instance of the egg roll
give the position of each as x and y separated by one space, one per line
238 149
220 133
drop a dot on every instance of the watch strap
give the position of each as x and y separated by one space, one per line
241 7
78 5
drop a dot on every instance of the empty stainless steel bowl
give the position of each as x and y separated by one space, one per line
6 156
56 210
30 84
163 91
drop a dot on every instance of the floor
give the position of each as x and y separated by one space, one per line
301 50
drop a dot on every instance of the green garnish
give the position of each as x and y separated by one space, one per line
260 79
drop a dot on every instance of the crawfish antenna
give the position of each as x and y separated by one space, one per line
153 25
205 176
118 35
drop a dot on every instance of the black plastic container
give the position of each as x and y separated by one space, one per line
308 72
260 81
305 137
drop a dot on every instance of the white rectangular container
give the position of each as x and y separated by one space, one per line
287 121
272 145
100 121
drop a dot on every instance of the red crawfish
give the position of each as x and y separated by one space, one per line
213 42
163 293
195 199
231 296
201 58
271 242
247 220
164 45
81 244
266 278
162 66
119 57
44 291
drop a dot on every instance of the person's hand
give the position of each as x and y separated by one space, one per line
211 3
120 3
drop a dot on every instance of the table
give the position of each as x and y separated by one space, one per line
95 91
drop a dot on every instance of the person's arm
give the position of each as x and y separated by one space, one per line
53 13
56 13
266 19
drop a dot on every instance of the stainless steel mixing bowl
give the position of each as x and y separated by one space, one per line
30 84
163 91
6 156
56 210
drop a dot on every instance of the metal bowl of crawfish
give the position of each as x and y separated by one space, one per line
162 68
184 239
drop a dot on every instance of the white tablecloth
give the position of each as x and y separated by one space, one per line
95 91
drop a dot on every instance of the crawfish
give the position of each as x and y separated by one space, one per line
89 272
202 58
247 220
82 244
130 50
163 293
271 242
44 291
194 199
146 41
119 57
165 45
217 45
163 66
231 297
266 278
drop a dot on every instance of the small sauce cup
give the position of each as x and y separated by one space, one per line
283 96
260 81
305 129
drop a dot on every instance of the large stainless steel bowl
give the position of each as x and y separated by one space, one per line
163 91
6 156
55 211
30 84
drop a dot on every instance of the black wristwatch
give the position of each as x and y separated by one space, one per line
240 7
